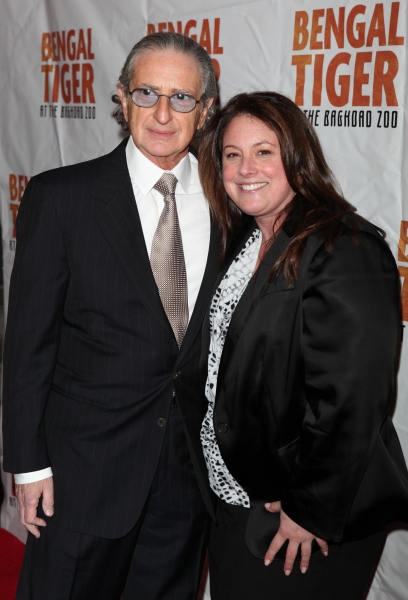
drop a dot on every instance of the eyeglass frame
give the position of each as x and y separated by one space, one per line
166 96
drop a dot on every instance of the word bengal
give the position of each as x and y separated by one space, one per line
206 35
354 30
17 185
72 80
363 78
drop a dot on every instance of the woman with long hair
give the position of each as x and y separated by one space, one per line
303 333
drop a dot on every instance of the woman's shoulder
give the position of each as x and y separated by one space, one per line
355 223
351 229
352 243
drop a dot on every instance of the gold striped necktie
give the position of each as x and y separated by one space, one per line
167 259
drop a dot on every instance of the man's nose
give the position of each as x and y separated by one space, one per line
162 113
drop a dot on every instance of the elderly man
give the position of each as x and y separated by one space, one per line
103 402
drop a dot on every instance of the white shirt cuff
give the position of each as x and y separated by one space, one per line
21 478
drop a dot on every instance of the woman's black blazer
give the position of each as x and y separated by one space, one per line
306 382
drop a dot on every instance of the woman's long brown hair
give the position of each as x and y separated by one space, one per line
317 202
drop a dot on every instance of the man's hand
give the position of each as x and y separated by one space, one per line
297 536
28 497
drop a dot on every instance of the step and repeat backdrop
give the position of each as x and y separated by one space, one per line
343 62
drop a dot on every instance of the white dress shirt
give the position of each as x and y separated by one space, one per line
194 219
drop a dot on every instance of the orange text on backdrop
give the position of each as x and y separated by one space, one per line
403 270
206 33
64 73
318 29
17 185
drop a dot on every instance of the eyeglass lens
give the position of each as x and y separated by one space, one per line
179 102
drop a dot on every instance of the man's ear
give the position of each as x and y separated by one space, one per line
123 98
204 113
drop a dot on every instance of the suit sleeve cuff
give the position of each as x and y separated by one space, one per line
21 478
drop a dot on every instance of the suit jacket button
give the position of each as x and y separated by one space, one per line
161 422
176 374
222 428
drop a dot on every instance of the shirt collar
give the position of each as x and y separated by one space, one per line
144 173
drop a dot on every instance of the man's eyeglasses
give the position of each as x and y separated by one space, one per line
179 102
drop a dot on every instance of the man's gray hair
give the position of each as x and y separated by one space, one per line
168 41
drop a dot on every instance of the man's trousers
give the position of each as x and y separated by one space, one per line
159 559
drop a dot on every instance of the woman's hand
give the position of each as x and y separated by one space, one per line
297 536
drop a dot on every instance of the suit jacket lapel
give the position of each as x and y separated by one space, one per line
250 297
234 248
211 270
120 223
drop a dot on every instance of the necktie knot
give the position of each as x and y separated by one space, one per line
166 185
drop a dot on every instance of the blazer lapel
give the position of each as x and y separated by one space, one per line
233 249
249 299
120 223
211 270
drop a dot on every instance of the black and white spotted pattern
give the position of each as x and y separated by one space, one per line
223 304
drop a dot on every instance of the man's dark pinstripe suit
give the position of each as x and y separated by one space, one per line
91 360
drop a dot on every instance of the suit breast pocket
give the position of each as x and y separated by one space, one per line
280 285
